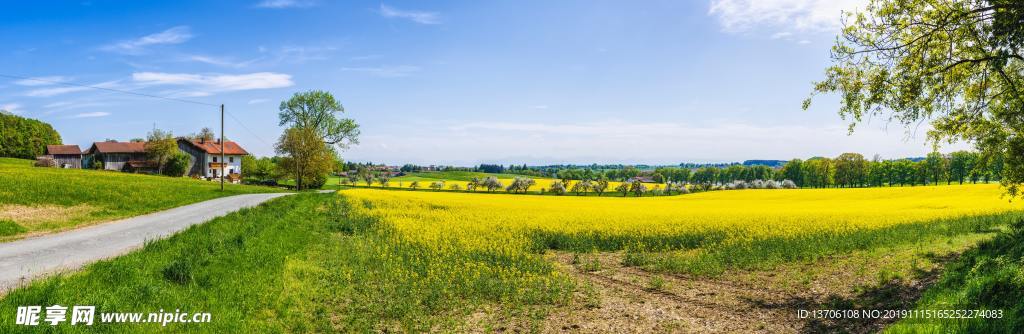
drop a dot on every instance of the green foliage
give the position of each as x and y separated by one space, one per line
177 164
989 277
8 228
307 159
957 64
160 145
318 110
25 137
258 168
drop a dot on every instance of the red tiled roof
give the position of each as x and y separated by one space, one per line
63 149
118 147
213 147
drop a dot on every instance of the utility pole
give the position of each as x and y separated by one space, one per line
222 147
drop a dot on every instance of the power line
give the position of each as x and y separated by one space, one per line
247 128
108 89
253 133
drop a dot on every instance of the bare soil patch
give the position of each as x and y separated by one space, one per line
613 298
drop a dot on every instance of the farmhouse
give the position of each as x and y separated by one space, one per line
119 156
66 156
206 157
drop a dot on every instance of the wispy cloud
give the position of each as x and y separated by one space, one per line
47 92
70 105
411 15
787 15
216 82
13 108
53 91
297 54
278 4
42 81
90 114
385 71
539 107
258 101
219 61
175 35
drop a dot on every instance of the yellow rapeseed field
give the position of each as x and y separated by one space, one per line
791 224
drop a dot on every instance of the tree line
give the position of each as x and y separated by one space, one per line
25 138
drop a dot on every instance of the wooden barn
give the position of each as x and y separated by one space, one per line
66 156
119 156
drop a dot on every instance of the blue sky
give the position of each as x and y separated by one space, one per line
451 82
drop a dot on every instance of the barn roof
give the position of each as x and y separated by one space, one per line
213 147
63 149
117 147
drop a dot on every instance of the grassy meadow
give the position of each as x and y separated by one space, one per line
38 200
377 260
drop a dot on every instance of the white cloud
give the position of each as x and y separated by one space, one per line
385 71
59 104
539 107
278 4
415 16
788 15
47 92
90 114
219 61
624 141
258 101
175 35
216 82
13 108
299 54
42 81
53 91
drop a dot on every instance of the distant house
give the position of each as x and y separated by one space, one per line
206 157
119 156
644 179
66 156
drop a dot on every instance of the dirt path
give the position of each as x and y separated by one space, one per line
26 259
621 299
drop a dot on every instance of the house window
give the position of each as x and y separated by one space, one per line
214 159
231 159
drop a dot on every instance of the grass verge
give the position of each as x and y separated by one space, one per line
989 278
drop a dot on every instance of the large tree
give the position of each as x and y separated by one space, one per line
160 145
24 138
319 111
306 158
957 63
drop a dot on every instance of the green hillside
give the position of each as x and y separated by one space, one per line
38 200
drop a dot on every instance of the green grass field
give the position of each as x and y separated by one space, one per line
290 265
38 200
